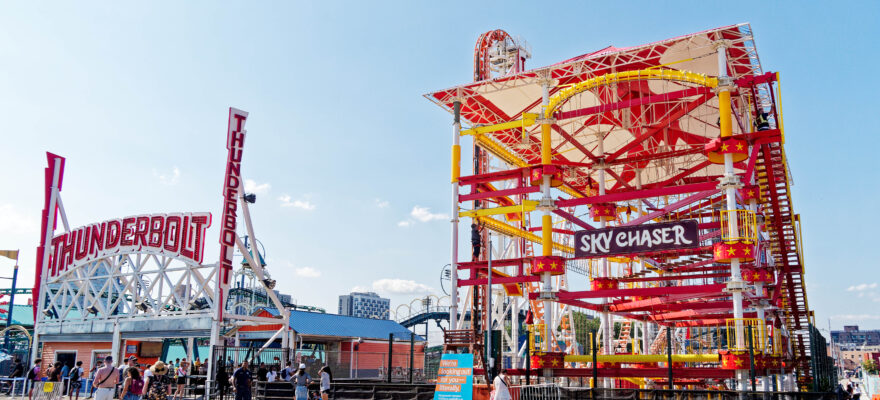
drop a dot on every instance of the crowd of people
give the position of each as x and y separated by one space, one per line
161 381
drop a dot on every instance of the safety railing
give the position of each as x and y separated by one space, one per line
738 225
748 326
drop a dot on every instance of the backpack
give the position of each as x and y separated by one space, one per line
32 374
137 387
73 374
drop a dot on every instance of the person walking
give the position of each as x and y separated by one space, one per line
158 385
301 380
17 372
272 374
56 372
262 372
133 386
857 393
501 386
92 372
241 382
222 379
326 377
106 379
182 373
75 376
33 376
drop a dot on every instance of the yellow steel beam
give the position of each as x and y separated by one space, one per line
511 230
625 76
526 206
528 120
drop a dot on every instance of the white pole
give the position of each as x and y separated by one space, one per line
489 311
546 278
456 129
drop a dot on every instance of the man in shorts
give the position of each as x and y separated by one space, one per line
105 380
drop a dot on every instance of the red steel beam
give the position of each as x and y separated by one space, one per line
674 277
658 291
505 262
672 207
498 280
498 193
632 103
638 194
573 219
663 124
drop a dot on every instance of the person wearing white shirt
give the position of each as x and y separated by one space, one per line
501 385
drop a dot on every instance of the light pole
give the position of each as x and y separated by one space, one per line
11 255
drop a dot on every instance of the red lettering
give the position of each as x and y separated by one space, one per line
239 120
172 234
229 222
234 168
57 242
236 140
227 238
185 238
82 243
200 223
114 234
127 230
67 251
140 231
231 193
229 182
234 159
96 244
155 238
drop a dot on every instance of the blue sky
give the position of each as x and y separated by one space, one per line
342 146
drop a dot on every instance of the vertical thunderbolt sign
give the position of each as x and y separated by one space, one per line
235 134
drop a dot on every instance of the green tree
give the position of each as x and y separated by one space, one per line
870 366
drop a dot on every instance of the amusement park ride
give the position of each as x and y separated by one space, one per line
647 185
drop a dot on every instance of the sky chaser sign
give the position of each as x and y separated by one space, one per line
636 239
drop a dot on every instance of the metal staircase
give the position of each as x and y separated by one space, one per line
783 227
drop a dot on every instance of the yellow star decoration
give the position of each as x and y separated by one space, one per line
767 276
555 362
756 275
747 251
724 363
540 265
751 192
739 146
775 363
724 147
553 265
718 252
539 363
739 362
731 251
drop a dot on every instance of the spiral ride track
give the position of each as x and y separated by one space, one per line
685 129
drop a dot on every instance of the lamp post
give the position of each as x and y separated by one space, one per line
9 309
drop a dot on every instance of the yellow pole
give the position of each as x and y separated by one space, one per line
724 111
456 162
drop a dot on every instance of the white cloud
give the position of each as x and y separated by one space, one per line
15 222
168 179
382 203
405 223
424 214
861 287
251 186
307 272
301 204
400 286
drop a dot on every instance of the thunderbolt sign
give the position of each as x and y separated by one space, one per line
637 239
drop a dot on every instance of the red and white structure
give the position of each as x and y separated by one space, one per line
144 276
575 167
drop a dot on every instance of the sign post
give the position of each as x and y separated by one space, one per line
455 379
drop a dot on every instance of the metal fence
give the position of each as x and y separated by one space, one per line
555 392
48 391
